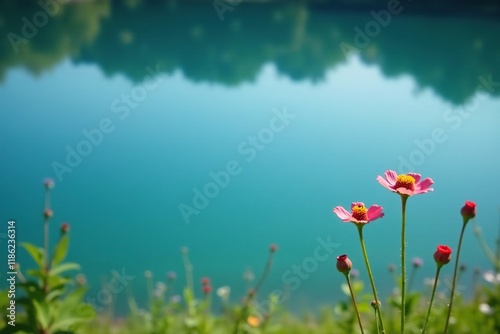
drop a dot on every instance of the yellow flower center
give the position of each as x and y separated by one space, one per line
405 181
359 212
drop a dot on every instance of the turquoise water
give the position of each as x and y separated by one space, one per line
272 123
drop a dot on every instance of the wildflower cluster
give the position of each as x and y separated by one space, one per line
405 185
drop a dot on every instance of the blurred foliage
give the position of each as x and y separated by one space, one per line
302 39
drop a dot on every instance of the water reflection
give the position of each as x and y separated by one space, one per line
444 54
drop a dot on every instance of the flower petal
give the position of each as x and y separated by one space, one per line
375 212
383 182
424 186
391 177
342 213
416 176
404 191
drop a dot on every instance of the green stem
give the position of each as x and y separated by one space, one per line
412 278
46 242
354 303
484 246
188 268
432 299
497 257
267 268
404 198
455 276
370 275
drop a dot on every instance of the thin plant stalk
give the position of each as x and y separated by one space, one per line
372 282
46 239
432 299
455 273
404 198
188 268
347 277
252 292
497 257
486 249
46 228
412 278
267 268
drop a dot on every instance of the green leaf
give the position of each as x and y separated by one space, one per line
74 298
42 313
61 250
345 289
37 253
38 273
411 302
357 286
64 267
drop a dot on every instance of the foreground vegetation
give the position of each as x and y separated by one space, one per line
49 299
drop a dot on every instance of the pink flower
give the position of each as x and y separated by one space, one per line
405 184
359 213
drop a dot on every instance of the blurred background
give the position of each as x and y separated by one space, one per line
225 126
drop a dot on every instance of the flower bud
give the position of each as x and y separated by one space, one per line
417 262
47 213
468 211
64 228
48 183
442 255
207 289
205 281
344 265
171 275
375 304
273 248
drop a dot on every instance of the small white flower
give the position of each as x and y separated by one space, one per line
224 291
248 275
160 286
175 299
490 276
429 281
485 309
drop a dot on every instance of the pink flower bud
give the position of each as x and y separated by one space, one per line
344 265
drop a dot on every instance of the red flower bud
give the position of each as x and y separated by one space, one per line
64 228
207 289
205 281
468 211
273 248
442 255
344 265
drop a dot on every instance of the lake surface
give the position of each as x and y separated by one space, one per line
172 125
